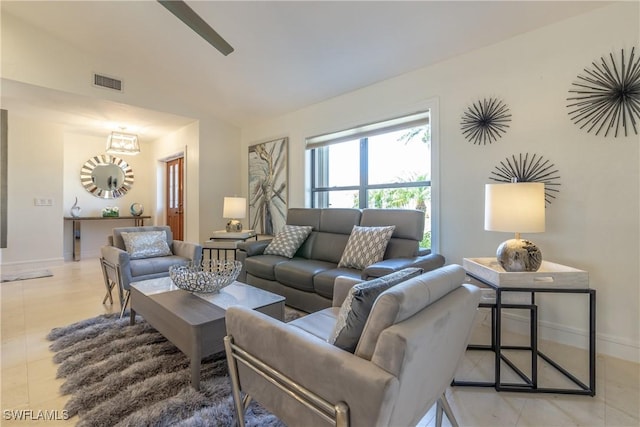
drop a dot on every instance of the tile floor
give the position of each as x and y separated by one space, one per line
31 308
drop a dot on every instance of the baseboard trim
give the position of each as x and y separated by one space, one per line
18 266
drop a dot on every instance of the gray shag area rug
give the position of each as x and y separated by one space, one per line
121 375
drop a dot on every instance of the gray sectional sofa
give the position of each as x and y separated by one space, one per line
307 279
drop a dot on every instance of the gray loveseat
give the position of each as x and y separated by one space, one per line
307 279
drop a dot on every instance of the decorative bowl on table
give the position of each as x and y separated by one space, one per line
209 276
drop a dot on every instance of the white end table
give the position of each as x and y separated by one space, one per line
550 278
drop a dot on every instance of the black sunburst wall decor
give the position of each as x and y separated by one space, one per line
485 121
529 169
608 95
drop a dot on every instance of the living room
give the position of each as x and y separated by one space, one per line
591 225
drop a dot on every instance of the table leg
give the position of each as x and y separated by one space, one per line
76 240
132 316
195 370
498 337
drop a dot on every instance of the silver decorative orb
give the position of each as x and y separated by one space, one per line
516 255
136 209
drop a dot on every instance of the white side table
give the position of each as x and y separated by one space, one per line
550 278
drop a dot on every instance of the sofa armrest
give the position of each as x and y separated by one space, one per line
424 251
387 266
341 287
364 387
188 250
253 248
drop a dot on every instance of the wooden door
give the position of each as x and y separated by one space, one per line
175 197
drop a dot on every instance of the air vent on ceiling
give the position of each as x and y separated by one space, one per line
107 82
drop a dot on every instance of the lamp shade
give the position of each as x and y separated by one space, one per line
234 207
515 207
122 143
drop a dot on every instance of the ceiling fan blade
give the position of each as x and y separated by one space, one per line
184 13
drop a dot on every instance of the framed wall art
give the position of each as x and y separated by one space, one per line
268 186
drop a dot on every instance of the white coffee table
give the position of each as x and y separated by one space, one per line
195 322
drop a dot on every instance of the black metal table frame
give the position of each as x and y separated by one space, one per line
530 384
226 250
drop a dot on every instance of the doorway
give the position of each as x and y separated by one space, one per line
175 197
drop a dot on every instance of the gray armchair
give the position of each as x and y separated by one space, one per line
411 345
119 269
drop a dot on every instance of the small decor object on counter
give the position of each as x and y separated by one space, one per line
207 277
75 209
136 209
111 212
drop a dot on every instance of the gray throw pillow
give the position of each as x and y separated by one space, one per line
356 307
146 244
287 241
366 246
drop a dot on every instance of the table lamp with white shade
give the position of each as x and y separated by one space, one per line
517 207
234 208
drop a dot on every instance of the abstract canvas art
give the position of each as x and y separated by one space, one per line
268 186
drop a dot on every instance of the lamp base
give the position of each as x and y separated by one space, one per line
234 226
517 255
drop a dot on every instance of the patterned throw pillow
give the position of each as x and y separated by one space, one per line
356 307
146 244
287 241
366 246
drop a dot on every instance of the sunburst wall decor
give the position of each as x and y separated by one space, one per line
607 97
529 169
485 121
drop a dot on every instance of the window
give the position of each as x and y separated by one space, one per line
381 165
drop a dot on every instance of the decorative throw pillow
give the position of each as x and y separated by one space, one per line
356 307
366 246
146 244
287 241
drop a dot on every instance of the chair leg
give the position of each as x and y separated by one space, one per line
107 282
443 405
124 304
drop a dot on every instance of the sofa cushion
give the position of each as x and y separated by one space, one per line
356 307
323 282
298 273
154 266
288 240
366 246
319 323
263 266
404 300
146 244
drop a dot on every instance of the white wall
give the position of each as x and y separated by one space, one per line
34 171
594 223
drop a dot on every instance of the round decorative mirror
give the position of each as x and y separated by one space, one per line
107 177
